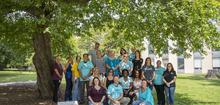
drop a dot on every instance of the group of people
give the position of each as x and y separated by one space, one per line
110 80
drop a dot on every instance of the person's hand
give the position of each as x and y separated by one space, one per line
151 82
131 93
61 76
116 102
83 78
142 103
168 84
99 103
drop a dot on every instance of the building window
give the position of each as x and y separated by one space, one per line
197 61
216 63
197 64
216 59
165 61
180 61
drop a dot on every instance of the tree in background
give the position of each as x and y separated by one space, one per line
45 27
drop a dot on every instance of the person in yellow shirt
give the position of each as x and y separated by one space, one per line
76 79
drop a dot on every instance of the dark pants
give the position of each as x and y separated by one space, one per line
68 91
56 89
83 85
160 94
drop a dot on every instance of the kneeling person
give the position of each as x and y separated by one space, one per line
115 93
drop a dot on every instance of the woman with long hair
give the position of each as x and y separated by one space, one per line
169 78
149 72
97 93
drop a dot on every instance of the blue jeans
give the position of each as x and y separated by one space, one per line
76 90
68 91
170 94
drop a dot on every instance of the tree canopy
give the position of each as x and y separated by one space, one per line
185 22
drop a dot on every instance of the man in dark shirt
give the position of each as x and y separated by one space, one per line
57 75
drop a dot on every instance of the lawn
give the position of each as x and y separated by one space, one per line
14 76
191 89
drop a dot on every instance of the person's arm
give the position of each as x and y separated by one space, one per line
105 80
119 98
58 74
131 68
80 70
174 80
90 99
103 98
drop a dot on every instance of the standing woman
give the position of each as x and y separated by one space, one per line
122 52
149 72
68 77
76 79
96 93
159 84
100 63
57 75
170 81
137 62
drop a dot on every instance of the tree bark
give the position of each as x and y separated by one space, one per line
43 63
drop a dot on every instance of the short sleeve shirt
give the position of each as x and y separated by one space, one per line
115 91
169 76
148 71
85 68
158 80
60 70
125 84
126 65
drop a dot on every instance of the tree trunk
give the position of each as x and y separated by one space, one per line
43 63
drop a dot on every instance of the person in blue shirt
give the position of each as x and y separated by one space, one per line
68 77
85 68
159 84
132 55
115 93
125 64
112 63
126 83
144 95
93 53
122 52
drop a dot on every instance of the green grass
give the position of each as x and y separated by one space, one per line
196 90
15 76
190 90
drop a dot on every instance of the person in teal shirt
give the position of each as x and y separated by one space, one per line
144 95
159 84
115 93
85 68
125 64
112 63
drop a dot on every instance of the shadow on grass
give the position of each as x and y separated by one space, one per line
184 99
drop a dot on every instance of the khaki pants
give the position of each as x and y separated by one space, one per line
123 101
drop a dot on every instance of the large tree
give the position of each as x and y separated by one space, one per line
45 26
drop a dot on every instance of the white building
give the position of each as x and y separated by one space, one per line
197 63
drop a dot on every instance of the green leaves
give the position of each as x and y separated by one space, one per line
126 22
